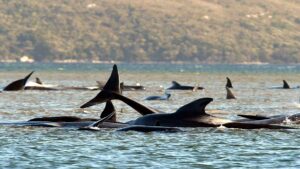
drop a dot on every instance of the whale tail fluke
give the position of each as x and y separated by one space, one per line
285 85
229 95
228 84
111 86
194 109
18 84
108 109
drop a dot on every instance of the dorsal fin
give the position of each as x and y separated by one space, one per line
229 95
108 109
285 85
175 84
112 85
18 84
228 84
38 80
194 109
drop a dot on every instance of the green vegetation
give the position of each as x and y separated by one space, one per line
210 31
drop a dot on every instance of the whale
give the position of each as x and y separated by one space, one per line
229 94
177 86
285 86
18 84
108 109
39 85
137 87
190 115
109 116
166 96
97 126
228 83
143 128
277 119
73 121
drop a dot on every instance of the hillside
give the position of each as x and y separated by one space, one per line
207 31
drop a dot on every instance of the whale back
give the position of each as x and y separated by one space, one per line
228 84
18 84
285 85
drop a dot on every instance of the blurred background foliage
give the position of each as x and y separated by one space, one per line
207 31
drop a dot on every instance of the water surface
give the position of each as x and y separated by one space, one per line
195 148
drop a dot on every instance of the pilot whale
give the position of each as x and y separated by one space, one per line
190 115
177 86
18 84
277 119
137 87
285 86
73 121
39 85
166 96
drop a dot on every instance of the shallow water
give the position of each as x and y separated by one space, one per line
195 148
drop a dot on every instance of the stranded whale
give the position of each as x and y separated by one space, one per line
190 115
73 121
285 86
166 96
39 85
177 86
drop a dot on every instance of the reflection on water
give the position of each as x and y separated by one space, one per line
196 148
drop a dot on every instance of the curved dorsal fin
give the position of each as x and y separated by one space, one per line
108 109
38 81
229 95
112 86
18 84
228 84
175 84
194 109
285 85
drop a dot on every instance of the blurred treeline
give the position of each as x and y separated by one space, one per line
208 31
